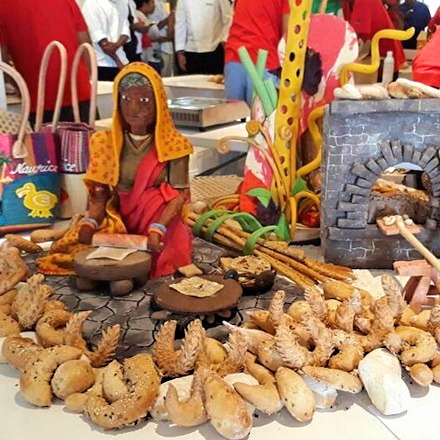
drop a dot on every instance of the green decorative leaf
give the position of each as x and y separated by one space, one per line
253 238
248 222
262 194
282 229
299 185
198 225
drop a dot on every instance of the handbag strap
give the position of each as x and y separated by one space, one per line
42 85
83 48
19 149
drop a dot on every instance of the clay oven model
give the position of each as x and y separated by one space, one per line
363 139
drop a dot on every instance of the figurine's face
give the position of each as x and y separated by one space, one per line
138 108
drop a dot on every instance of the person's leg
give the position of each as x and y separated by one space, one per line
167 68
84 111
235 81
214 62
47 118
107 73
155 66
192 63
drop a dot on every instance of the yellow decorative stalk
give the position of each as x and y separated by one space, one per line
316 135
289 101
375 56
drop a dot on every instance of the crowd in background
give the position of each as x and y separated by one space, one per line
182 36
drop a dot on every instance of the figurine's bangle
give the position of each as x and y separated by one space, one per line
91 221
157 231
159 226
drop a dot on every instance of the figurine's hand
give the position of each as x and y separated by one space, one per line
85 234
155 242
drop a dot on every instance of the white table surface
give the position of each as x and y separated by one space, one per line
22 421
192 85
210 137
352 417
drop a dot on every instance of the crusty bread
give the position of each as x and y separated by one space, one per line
380 373
73 376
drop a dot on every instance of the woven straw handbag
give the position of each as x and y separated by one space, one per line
10 122
73 137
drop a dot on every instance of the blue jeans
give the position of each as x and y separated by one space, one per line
238 84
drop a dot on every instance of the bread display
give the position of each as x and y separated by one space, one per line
338 339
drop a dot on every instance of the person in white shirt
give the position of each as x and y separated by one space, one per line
151 52
202 27
109 30
164 48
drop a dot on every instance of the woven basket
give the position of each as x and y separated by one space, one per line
10 122
209 188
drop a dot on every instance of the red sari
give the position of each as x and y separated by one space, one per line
144 205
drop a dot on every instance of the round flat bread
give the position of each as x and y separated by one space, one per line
198 287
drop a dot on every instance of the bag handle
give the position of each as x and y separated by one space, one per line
19 150
42 85
83 48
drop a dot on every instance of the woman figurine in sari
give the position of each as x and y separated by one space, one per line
137 178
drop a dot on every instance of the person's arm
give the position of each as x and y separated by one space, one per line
6 56
361 20
83 37
226 15
95 23
154 33
180 35
162 23
435 21
171 25
285 17
364 49
140 27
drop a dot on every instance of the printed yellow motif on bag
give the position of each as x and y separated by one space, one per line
39 203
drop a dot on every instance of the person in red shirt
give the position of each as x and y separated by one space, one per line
256 25
26 28
426 65
392 7
367 17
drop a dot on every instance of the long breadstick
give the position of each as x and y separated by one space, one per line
412 240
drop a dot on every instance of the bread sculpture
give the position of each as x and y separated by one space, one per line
400 89
340 339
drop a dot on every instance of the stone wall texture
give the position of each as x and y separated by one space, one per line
361 140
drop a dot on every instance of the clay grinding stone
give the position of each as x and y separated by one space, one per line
105 269
226 298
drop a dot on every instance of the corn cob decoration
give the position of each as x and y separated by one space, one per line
283 151
289 103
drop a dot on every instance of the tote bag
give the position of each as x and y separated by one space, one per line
29 179
73 137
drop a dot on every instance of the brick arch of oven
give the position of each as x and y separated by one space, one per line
355 212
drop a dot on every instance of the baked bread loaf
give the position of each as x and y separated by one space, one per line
73 376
